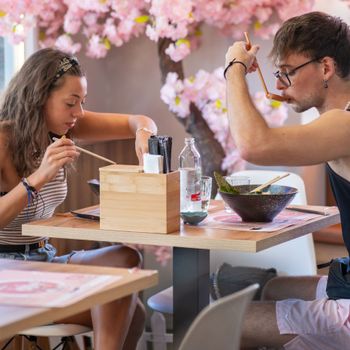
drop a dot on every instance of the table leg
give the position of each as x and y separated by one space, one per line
190 288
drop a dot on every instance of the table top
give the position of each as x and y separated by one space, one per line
14 318
70 227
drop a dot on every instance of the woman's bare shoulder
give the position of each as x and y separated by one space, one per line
4 141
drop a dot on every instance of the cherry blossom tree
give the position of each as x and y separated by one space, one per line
198 102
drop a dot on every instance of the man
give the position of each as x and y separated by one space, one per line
312 55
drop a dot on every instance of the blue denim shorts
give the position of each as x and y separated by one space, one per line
45 253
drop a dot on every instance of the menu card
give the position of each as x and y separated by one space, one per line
49 289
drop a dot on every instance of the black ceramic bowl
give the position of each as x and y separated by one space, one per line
95 186
260 207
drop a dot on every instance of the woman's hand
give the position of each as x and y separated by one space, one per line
240 52
59 153
141 143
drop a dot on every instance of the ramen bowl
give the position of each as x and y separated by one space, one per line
261 206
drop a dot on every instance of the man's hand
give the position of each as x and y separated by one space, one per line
240 52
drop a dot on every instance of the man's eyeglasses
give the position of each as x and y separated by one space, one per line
284 77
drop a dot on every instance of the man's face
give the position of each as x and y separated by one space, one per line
300 79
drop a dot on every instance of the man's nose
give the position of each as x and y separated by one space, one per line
280 85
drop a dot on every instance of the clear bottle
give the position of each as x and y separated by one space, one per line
190 177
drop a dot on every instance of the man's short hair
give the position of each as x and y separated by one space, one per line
316 35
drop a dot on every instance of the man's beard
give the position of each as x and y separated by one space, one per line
304 105
300 109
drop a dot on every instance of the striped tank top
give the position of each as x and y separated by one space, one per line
50 196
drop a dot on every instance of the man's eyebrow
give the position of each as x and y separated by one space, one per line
285 66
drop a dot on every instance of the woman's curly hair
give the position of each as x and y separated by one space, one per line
22 110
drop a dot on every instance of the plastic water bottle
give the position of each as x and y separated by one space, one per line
190 178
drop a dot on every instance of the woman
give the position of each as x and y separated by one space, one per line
46 98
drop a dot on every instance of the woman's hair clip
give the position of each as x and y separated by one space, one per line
66 63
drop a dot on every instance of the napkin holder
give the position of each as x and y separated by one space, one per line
131 200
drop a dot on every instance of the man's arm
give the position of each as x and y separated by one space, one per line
324 139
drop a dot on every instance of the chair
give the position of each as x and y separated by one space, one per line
296 257
219 325
65 331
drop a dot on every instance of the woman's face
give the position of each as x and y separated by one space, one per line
65 105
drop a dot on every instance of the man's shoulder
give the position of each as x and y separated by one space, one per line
336 113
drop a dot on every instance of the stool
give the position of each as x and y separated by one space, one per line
65 331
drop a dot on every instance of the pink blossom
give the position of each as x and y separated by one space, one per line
178 52
72 23
96 48
90 18
172 94
233 162
265 31
65 43
288 8
163 255
119 21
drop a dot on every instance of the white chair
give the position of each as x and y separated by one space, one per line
218 326
65 332
295 257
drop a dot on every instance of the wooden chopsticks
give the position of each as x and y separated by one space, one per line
275 179
268 94
90 153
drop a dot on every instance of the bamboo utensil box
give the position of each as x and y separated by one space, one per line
131 200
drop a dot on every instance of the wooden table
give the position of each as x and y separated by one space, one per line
191 246
14 318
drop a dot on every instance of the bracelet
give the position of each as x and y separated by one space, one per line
31 190
231 63
144 129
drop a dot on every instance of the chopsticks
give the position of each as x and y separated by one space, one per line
275 179
268 94
310 209
90 153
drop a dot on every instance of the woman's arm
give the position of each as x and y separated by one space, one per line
58 154
95 126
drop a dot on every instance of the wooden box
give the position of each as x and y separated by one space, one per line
131 200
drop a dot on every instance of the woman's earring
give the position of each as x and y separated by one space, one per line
325 84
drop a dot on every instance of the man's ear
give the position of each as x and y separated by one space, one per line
328 66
